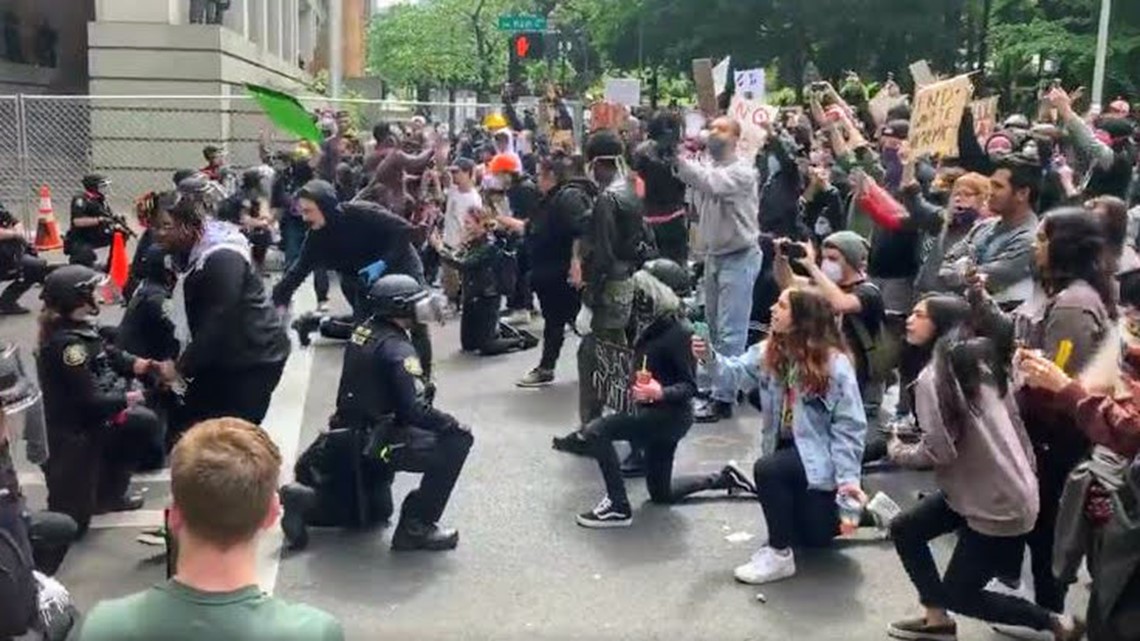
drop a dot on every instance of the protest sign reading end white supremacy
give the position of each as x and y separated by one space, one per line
937 113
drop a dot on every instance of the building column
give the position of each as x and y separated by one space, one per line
276 13
258 22
289 36
237 17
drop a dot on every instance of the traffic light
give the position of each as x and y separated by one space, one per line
526 47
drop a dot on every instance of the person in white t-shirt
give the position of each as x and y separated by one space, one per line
462 199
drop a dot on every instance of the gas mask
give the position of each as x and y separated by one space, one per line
622 169
642 314
431 310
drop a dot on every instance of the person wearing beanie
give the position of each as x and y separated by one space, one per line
842 278
346 238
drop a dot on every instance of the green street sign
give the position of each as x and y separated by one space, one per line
522 22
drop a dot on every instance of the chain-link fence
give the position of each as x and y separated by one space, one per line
138 142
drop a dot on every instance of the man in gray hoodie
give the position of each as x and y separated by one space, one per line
725 191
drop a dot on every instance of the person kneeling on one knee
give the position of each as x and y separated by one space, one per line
813 430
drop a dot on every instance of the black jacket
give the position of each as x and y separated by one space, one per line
488 269
232 324
666 349
146 329
551 231
84 383
664 192
357 234
611 234
91 205
780 194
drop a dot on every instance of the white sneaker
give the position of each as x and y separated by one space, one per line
997 586
766 566
323 308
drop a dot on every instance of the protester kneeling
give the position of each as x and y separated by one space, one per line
489 270
971 431
813 430
662 391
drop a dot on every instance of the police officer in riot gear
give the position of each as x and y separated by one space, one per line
98 430
18 263
92 222
385 402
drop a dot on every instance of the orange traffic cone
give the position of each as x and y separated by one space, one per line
47 231
118 268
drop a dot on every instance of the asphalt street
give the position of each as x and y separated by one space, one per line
524 569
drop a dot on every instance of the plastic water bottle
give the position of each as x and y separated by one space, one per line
850 511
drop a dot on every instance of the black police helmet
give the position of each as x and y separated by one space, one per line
70 287
94 182
674 276
395 296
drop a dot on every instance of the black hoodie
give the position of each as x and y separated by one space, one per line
550 232
356 234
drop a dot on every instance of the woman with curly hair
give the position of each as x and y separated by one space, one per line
813 430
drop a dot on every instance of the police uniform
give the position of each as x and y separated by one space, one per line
94 440
385 398
81 242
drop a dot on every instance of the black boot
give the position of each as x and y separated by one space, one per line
304 325
122 503
414 534
296 500
573 443
634 465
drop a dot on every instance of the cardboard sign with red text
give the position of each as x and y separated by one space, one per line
753 117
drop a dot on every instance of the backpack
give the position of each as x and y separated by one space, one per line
876 352
18 587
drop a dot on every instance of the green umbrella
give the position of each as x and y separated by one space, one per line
286 112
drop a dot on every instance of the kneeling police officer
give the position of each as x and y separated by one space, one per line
384 422
98 430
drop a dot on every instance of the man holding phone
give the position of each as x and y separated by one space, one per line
725 193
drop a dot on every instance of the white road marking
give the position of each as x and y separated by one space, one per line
138 519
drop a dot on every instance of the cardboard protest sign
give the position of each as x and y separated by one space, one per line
613 375
985 112
720 75
922 74
607 115
623 91
753 117
706 90
937 113
750 83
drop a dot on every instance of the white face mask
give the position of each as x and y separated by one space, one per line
833 270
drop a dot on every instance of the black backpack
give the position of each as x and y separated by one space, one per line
18 588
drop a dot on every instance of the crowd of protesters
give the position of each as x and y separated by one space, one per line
997 291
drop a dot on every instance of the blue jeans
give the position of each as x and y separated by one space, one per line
728 283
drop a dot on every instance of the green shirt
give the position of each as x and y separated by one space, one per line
172 612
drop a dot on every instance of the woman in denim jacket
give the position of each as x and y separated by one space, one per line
813 431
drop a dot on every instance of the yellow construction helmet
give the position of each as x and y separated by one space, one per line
495 121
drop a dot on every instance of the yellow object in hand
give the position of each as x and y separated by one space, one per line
1064 353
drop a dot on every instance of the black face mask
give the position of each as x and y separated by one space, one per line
965 218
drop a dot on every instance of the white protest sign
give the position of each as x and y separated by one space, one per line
720 75
937 113
751 81
753 117
695 121
623 91
922 74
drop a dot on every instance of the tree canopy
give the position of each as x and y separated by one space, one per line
455 43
